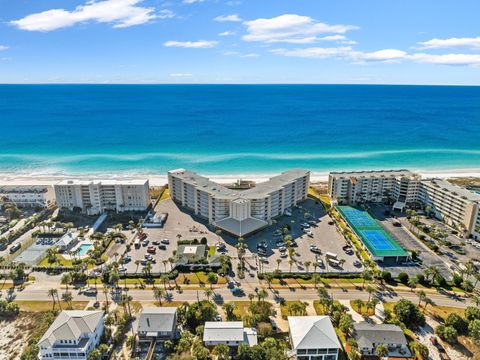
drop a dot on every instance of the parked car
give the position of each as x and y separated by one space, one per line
90 291
165 241
127 259
152 249
282 249
315 249
155 242
283 255
357 263
263 259
145 242
162 247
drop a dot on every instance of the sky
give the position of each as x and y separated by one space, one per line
240 41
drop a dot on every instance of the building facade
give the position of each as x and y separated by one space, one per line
356 187
73 335
96 197
25 195
158 324
238 212
230 333
457 206
313 338
370 336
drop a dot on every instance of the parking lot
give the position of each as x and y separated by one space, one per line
182 225
408 242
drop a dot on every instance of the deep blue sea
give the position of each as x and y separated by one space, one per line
236 129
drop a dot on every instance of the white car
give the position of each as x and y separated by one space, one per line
283 255
263 259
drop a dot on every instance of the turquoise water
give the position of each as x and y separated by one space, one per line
236 129
83 249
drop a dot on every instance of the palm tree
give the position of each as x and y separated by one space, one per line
316 278
366 275
291 262
229 308
164 278
307 265
412 283
66 280
158 294
165 262
370 290
208 293
279 261
422 295
315 266
251 297
53 293
359 303
67 297
262 294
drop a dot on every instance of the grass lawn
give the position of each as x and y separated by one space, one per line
35 306
363 310
198 278
241 308
443 311
319 308
165 194
212 250
60 261
285 308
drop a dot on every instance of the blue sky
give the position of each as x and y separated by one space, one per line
240 41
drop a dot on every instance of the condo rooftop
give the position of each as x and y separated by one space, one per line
454 189
220 191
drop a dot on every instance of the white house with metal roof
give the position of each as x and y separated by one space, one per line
159 323
313 338
238 212
73 335
230 333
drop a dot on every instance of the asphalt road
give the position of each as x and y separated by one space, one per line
224 294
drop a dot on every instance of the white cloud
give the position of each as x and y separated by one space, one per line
225 18
447 59
201 44
250 55
333 38
380 55
122 13
290 28
180 75
452 42
3 47
227 33
315 52
165 14
192 1
230 53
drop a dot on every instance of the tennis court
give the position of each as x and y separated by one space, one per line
378 242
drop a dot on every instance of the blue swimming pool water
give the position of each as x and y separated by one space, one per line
82 249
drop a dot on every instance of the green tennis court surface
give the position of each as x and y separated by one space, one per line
376 239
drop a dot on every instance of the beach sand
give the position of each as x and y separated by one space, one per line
159 180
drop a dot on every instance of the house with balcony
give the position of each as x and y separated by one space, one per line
159 323
370 336
73 335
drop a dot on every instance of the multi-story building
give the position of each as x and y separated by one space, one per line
453 204
96 197
238 212
313 338
159 324
401 186
73 335
25 195
370 336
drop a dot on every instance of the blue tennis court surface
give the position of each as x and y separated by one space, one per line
378 240
374 237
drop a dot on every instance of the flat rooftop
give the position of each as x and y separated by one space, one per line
103 182
454 189
220 191
372 173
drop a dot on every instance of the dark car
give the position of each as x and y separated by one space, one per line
162 247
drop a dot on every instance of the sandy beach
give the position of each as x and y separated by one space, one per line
159 180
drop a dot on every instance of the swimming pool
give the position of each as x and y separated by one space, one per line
82 249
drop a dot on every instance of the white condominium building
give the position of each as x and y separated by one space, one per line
455 205
95 197
238 212
400 186
73 335
26 195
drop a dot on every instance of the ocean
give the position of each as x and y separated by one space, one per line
236 129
